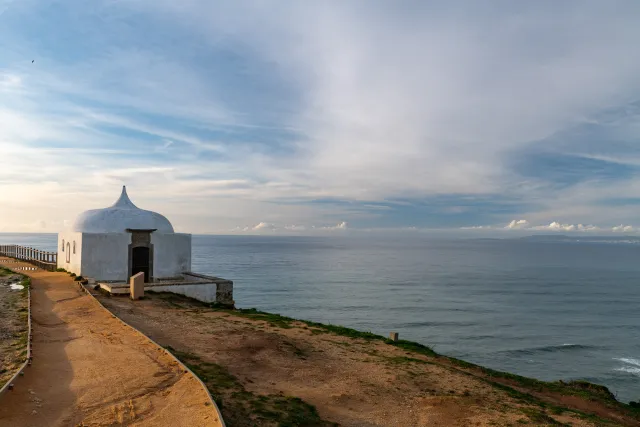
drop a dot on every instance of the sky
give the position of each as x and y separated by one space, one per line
323 117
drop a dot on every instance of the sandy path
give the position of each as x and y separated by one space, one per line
90 370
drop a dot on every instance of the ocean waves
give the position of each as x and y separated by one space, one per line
528 351
629 365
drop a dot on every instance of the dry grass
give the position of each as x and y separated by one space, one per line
264 367
13 324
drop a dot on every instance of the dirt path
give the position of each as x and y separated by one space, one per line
257 363
90 370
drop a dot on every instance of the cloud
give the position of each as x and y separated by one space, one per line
582 227
525 225
295 227
263 226
556 226
271 227
519 224
166 143
340 226
623 228
245 107
553 226
9 82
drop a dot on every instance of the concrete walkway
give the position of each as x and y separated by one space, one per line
89 369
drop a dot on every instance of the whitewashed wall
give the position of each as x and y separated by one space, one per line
106 256
204 292
171 254
74 264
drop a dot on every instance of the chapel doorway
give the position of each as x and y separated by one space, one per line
140 261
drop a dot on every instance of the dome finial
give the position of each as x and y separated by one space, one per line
124 202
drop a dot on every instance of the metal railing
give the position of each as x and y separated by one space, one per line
43 259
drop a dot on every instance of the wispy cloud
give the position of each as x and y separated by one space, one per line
269 228
243 107
524 225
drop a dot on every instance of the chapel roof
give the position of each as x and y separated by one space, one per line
123 215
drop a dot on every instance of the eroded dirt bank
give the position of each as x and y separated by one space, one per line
90 370
13 324
265 370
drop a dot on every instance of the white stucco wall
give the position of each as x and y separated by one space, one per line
74 264
204 293
105 256
171 254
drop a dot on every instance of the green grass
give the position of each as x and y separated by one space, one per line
279 321
17 301
401 360
26 282
583 389
243 408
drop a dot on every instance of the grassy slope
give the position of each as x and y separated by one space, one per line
523 388
287 411
15 348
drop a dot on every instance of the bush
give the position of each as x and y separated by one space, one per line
635 404
62 270
78 279
72 274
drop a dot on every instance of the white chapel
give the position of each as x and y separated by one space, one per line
114 243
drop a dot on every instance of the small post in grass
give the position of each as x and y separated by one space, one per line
393 336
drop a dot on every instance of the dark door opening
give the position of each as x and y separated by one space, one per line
140 262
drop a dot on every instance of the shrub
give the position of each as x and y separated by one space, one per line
78 279
62 270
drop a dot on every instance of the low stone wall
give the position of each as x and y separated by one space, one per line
207 289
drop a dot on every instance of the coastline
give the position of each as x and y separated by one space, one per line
253 362
503 319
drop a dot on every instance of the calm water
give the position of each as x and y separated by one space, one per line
554 310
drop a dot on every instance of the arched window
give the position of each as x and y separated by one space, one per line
74 246
62 245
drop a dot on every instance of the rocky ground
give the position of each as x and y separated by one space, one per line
13 325
267 370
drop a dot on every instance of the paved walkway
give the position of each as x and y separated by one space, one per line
89 369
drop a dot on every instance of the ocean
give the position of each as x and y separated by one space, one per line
549 309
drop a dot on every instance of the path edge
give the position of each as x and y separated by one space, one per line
185 367
12 380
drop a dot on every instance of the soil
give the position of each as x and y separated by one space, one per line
89 369
13 326
263 370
